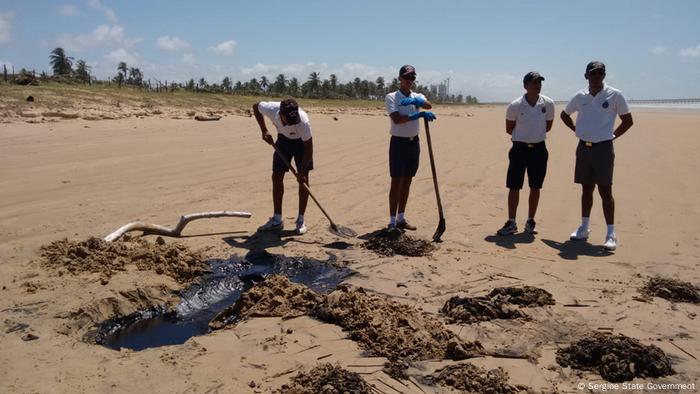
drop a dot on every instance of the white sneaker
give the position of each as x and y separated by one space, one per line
581 234
272 225
300 228
610 242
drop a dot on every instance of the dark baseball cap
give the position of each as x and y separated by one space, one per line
532 76
406 71
290 109
595 65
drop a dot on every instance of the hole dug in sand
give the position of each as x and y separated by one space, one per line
327 379
222 286
391 242
672 290
469 378
500 303
96 255
616 358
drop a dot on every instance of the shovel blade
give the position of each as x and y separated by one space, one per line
342 231
440 230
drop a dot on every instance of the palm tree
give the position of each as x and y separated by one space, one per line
264 83
61 64
280 84
122 68
226 84
254 87
135 76
82 71
334 82
293 88
202 84
380 87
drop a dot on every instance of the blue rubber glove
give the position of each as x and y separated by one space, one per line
424 114
417 101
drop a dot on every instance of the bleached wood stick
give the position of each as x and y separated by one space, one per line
174 232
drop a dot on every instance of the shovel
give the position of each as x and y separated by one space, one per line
441 225
333 228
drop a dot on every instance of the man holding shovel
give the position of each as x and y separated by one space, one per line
293 141
404 148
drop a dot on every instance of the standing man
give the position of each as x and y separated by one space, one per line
528 119
597 107
294 141
404 148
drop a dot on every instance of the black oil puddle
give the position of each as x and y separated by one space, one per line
199 303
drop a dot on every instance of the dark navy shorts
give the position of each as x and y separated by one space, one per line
595 163
527 157
290 149
404 155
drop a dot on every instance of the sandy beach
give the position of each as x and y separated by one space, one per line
78 178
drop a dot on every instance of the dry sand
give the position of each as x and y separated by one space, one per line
78 178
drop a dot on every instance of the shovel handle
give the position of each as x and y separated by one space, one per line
432 167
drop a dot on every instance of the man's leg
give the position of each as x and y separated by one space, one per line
533 202
405 190
513 200
394 195
587 199
606 195
275 222
277 191
303 195
586 204
609 212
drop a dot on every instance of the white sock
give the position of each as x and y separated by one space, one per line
300 219
277 217
400 217
392 220
584 222
611 229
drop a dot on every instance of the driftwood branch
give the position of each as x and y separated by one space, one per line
149 228
205 118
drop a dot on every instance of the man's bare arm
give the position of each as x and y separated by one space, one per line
568 121
510 126
627 122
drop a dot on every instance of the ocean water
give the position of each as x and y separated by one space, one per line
666 107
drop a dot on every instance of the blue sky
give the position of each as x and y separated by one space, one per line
651 48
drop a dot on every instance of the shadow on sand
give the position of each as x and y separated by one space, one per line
570 250
510 241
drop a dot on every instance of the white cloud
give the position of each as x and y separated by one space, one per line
225 48
5 26
188 58
123 55
658 50
173 44
109 13
67 10
691 52
103 35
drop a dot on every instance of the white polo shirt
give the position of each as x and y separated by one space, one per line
410 128
530 121
596 114
302 130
